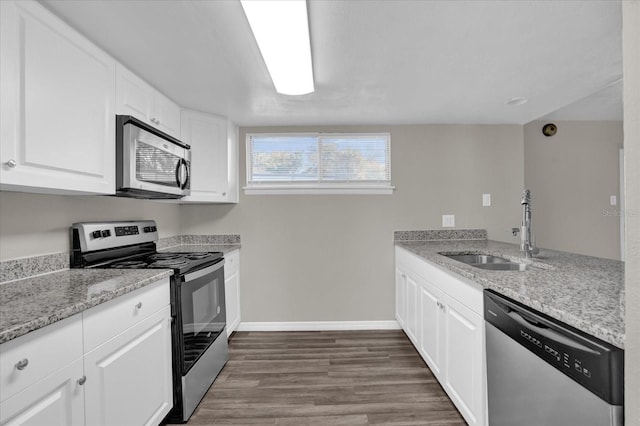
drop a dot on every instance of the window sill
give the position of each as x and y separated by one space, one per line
318 190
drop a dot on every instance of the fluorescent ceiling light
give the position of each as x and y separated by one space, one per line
281 28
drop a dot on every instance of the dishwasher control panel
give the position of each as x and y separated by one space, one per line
595 364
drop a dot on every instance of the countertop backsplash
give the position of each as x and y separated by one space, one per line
440 235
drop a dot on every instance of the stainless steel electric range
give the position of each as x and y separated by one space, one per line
199 339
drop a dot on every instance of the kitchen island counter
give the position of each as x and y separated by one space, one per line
582 291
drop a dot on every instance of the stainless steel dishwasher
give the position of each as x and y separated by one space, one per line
541 372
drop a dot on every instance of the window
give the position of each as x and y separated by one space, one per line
325 163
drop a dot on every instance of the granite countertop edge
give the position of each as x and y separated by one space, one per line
429 250
123 284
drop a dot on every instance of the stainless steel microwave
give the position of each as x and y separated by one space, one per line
150 163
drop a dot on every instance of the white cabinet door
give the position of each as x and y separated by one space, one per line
431 327
232 296
57 400
464 354
401 296
233 177
411 300
57 110
129 378
133 95
136 97
232 290
207 136
166 115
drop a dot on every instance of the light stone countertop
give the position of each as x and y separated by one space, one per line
31 303
582 291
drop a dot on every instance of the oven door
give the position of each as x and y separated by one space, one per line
202 308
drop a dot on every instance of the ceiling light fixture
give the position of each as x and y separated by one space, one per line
516 101
281 28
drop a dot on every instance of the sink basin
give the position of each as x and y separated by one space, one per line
477 258
489 262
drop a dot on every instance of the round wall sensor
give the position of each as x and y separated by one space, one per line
549 129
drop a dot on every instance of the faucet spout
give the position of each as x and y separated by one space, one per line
527 244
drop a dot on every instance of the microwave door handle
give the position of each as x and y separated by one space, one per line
182 162
186 174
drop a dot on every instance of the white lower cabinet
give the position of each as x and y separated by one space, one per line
464 378
125 384
448 334
232 290
431 328
401 296
57 400
46 378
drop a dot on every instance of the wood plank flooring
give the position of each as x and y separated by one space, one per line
325 378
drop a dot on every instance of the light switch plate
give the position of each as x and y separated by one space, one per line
448 221
486 200
613 200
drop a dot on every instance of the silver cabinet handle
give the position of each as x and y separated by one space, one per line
139 305
22 364
82 380
440 305
224 194
11 163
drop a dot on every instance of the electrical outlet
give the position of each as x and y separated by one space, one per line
613 200
486 200
448 221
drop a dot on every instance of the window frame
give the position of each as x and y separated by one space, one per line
316 187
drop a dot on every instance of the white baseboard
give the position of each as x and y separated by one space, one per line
319 326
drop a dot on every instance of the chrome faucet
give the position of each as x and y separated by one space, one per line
527 243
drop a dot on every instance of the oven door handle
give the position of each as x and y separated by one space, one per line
202 272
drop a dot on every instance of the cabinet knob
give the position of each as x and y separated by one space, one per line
82 380
139 305
11 163
224 194
22 364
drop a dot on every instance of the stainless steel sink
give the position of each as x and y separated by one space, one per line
489 262
477 258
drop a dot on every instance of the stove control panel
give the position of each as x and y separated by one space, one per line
92 236
122 231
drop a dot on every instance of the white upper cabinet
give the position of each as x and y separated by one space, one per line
57 117
136 97
214 157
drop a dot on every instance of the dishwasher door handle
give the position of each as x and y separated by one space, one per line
549 333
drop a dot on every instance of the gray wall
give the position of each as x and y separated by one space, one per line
631 55
571 176
32 224
323 258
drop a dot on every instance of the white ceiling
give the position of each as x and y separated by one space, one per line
375 62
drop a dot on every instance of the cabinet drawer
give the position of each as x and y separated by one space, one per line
109 319
231 263
41 353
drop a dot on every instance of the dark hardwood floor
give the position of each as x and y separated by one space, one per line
325 378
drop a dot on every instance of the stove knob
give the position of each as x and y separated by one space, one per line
106 233
154 229
96 234
147 229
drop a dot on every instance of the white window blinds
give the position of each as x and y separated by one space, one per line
318 160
